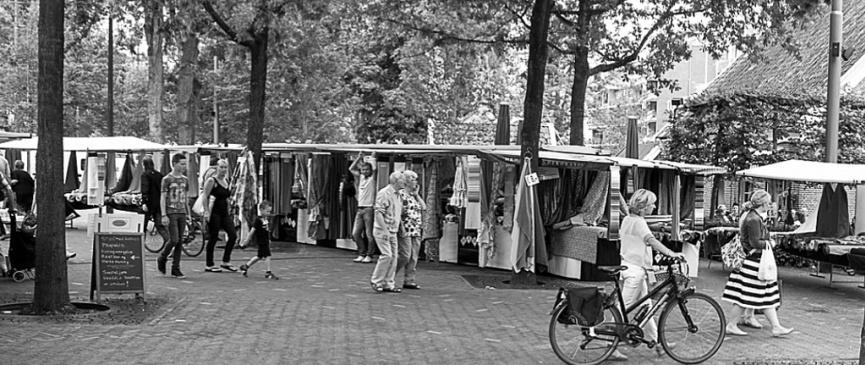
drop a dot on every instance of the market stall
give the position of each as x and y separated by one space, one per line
827 236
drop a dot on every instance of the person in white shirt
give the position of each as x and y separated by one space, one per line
637 244
363 221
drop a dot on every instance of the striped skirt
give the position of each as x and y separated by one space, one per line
744 289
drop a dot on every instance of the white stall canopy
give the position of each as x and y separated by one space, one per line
809 171
101 144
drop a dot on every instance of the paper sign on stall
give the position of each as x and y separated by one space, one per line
532 179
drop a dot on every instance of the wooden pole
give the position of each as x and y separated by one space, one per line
862 345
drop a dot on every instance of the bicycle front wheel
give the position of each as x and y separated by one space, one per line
575 344
194 239
153 241
691 329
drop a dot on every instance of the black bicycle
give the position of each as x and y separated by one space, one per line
192 240
690 328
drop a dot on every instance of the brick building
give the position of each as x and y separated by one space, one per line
783 74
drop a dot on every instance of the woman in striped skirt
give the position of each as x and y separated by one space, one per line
743 288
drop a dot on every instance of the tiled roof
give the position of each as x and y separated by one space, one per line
478 128
780 73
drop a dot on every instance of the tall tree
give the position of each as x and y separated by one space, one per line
153 29
51 293
254 37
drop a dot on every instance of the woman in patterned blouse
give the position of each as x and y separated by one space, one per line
410 230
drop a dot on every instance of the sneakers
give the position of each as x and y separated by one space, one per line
175 273
359 258
244 269
228 267
160 264
366 260
269 275
212 269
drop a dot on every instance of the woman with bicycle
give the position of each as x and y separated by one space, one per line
217 217
637 244
743 288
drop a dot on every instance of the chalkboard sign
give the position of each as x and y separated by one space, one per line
118 263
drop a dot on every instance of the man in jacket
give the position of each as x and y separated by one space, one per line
151 190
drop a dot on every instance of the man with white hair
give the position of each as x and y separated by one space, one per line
388 213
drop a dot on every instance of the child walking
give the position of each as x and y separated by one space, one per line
261 234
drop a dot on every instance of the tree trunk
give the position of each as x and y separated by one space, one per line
257 88
578 96
155 69
187 106
109 110
533 106
51 293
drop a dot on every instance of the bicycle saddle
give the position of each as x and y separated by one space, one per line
613 269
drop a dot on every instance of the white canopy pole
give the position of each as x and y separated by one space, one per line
859 223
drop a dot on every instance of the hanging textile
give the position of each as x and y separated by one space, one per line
166 163
492 174
382 172
110 171
71 182
833 219
529 247
82 187
137 170
510 194
473 192
125 176
431 227
192 174
345 203
688 195
244 202
286 181
665 193
204 160
319 184
595 202
458 199
301 176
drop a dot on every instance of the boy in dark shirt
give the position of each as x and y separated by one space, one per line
261 234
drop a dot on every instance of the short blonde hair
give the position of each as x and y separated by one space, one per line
760 198
409 174
641 199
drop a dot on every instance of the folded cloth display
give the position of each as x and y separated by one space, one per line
78 200
124 198
579 243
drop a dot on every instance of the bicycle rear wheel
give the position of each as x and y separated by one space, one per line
153 241
574 344
194 238
699 341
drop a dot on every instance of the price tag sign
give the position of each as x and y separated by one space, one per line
532 179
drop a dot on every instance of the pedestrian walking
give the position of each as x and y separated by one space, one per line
744 289
217 216
637 244
261 234
362 231
175 204
151 193
410 232
23 185
388 213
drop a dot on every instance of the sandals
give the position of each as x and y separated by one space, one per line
392 290
752 322
411 286
376 288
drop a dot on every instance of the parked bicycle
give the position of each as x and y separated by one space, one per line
192 240
690 328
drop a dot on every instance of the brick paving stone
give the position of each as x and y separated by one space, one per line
322 311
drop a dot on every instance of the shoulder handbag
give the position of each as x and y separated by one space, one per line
733 254
768 268
198 206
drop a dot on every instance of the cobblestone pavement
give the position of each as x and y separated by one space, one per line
322 311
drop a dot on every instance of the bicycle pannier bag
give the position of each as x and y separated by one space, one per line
585 306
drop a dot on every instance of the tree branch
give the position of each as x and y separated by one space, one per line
636 51
444 35
229 32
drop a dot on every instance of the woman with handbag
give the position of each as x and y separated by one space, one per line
755 284
217 216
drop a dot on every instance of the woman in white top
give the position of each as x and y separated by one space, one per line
637 244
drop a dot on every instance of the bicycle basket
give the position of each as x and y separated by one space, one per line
585 306
682 280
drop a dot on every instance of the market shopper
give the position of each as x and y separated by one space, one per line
175 204
362 231
743 288
218 218
23 186
388 213
637 244
261 234
151 192
410 232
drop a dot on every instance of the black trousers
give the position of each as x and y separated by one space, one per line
219 222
